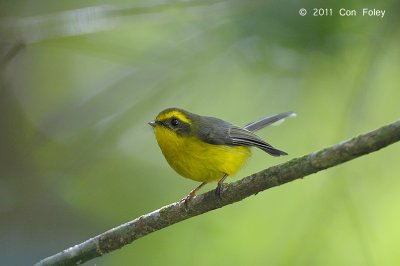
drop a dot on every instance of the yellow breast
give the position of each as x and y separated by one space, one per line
198 160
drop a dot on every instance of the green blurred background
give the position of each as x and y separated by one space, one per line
78 158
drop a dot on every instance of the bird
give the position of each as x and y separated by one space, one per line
207 149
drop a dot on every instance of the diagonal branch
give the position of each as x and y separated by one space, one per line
268 178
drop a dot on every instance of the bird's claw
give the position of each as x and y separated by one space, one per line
186 200
219 190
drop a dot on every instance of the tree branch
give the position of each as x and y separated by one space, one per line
271 177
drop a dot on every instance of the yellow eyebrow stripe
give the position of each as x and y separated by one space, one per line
177 114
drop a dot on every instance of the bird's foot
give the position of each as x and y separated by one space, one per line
219 190
188 198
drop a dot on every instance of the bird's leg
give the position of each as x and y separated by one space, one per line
191 194
220 187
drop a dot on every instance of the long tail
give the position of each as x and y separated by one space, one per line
270 120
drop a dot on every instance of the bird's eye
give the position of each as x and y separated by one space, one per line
174 122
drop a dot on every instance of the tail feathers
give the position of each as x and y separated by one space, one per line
268 121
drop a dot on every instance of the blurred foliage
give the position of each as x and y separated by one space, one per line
78 158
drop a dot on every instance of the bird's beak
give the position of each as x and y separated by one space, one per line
152 123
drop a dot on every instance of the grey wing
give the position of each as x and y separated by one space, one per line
273 119
214 131
244 137
228 134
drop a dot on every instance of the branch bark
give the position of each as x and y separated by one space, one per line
268 178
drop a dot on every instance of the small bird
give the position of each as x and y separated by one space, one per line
207 149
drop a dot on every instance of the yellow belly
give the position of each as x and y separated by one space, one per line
198 160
